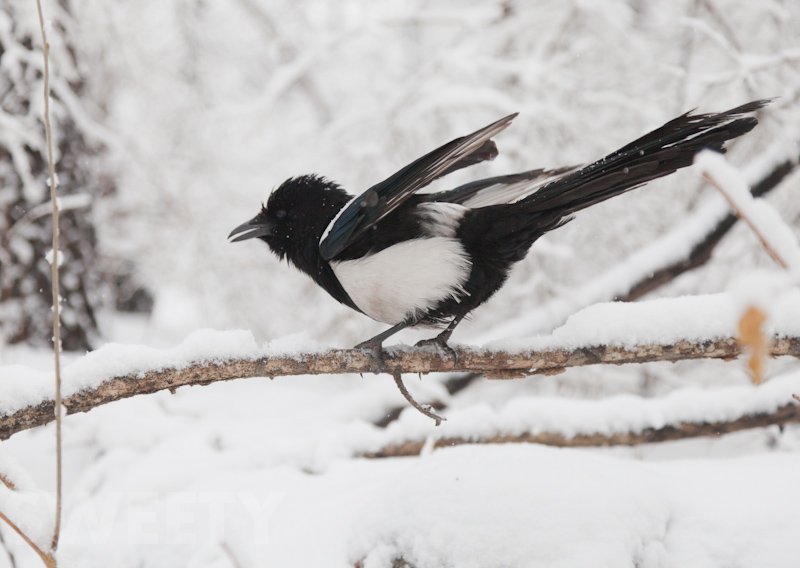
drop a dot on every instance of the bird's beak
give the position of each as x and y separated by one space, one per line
255 227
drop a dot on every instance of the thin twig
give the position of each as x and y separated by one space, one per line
427 411
54 273
230 554
67 203
7 482
753 227
47 558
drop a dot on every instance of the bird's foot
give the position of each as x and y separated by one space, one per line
375 349
440 342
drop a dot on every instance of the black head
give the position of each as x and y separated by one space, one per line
295 216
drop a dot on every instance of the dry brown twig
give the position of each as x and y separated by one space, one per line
48 557
427 411
753 226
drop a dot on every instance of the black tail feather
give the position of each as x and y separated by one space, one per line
654 155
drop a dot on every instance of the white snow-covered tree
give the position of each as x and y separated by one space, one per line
25 223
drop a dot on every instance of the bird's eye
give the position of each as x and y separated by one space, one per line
280 214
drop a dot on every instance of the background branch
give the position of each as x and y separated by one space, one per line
702 250
786 414
496 364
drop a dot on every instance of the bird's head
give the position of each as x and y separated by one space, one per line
295 216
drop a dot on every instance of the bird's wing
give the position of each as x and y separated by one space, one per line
381 199
500 189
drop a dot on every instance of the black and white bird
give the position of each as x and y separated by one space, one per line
406 258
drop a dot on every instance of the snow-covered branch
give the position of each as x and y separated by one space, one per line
706 240
509 363
788 413
686 246
775 235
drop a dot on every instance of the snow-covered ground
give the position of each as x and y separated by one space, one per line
261 472
205 106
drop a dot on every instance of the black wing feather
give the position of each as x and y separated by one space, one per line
383 198
654 155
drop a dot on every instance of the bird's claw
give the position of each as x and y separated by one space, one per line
441 344
375 350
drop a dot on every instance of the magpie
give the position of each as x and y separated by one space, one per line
428 259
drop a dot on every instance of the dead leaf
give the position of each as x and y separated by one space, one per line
752 338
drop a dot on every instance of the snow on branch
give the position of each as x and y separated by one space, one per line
686 246
87 387
667 329
775 235
702 242
615 420
785 414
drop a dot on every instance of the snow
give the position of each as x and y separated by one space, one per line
49 257
263 472
763 218
529 506
21 386
24 504
620 413
663 321
204 107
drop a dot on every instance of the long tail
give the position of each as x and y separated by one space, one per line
654 155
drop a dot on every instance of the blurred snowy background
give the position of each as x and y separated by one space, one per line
176 118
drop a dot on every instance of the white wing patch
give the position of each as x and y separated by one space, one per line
500 193
333 221
441 219
405 279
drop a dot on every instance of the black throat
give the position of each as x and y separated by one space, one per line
310 204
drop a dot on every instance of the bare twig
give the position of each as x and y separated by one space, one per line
762 219
753 227
427 411
46 557
54 273
7 482
786 414
226 548
495 364
67 203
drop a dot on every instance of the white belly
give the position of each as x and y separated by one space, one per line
405 279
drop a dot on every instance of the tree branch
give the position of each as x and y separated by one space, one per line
495 364
786 414
701 252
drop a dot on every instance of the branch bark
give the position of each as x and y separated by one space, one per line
494 364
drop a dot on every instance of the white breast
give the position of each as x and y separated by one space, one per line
405 279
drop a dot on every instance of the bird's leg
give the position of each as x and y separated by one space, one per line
375 346
440 341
